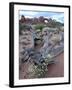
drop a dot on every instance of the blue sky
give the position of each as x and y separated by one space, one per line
59 16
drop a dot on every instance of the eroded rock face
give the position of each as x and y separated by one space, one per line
40 52
27 47
26 39
25 42
29 54
25 61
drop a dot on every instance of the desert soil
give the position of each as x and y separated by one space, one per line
54 70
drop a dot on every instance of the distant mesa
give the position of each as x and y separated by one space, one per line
34 20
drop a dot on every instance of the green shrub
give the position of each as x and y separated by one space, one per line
23 27
39 26
41 70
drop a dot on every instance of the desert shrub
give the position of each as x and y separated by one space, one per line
23 27
54 23
39 26
41 70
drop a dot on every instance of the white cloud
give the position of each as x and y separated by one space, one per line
28 17
47 17
29 13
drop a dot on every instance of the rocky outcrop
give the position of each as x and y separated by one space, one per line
36 45
34 20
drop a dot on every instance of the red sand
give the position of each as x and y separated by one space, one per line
56 69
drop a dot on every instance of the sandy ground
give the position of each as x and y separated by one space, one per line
54 70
